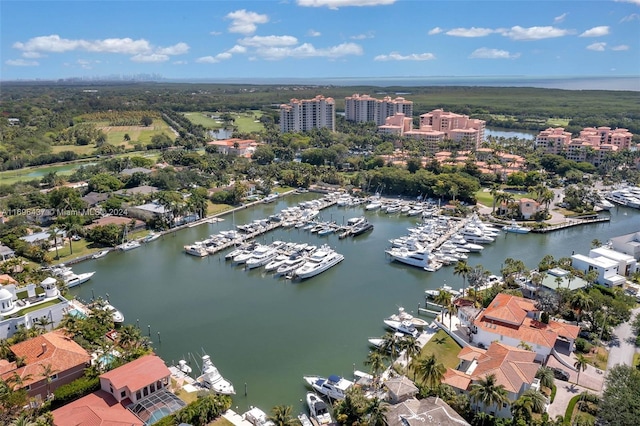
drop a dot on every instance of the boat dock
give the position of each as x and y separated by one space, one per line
570 223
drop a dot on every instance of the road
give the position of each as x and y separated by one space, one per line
622 347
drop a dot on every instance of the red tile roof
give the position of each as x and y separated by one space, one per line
96 409
137 374
53 349
511 366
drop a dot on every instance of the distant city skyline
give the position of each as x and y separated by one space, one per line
318 39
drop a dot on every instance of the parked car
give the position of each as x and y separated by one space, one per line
560 374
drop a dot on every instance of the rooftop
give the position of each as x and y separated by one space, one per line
137 374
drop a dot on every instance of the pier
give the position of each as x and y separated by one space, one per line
570 223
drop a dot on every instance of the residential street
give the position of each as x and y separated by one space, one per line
622 347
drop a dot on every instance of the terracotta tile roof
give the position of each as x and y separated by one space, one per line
137 374
54 349
510 309
469 353
512 367
96 409
565 330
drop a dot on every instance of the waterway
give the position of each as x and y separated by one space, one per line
510 133
267 333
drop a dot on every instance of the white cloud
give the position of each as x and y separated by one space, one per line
629 1
596 32
245 22
307 50
216 33
268 41
179 62
533 33
434 31
560 18
597 47
152 57
486 53
141 50
237 49
632 17
470 32
214 59
84 64
395 56
21 63
364 36
176 49
314 33
335 4
620 47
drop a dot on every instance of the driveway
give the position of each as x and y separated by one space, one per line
622 346
564 392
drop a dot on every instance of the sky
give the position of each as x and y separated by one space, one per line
237 39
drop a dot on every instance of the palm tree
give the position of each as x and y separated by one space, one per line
43 322
375 361
581 365
411 349
281 416
537 398
375 412
581 302
463 269
389 345
53 233
596 243
47 372
430 371
521 409
524 345
545 374
488 392
443 299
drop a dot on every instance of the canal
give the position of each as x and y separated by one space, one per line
267 333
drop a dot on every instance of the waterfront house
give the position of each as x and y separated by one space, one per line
136 379
511 320
118 221
627 264
235 146
6 253
137 190
513 368
606 268
627 244
94 198
528 208
414 412
50 361
98 408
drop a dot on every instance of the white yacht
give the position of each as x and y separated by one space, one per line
516 228
405 327
129 245
419 258
100 254
116 315
403 315
318 409
70 278
333 386
261 256
197 250
212 379
321 260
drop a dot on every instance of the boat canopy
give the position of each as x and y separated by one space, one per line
334 379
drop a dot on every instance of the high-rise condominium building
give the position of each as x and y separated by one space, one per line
363 108
301 115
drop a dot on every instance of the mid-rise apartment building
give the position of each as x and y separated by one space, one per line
364 108
301 115
592 144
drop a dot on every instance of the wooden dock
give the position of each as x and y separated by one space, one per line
570 223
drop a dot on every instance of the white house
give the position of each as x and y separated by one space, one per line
627 264
136 379
606 268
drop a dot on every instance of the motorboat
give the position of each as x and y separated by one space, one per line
129 245
321 260
604 204
261 256
257 417
374 205
333 386
184 367
361 227
70 278
419 258
432 294
403 315
405 327
378 342
116 315
100 254
151 237
304 420
318 409
197 250
212 379
516 228
294 261
270 198
246 247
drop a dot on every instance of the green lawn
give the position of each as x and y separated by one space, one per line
9 177
245 122
558 122
36 307
444 348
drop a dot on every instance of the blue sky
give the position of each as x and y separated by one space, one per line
318 38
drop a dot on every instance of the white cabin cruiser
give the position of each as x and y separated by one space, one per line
334 386
321 260
318 409
212 379
403 315
405 327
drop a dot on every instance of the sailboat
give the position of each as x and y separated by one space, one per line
127 245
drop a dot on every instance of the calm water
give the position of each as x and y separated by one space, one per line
268 332
510 133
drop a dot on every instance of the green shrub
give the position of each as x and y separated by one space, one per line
74 390
582 345
553 394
